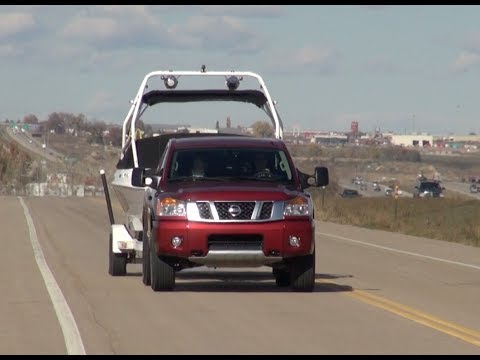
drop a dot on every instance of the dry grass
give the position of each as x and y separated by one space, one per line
449 219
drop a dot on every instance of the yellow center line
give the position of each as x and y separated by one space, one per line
468 335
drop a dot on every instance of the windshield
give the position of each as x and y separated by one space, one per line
429 186
238 163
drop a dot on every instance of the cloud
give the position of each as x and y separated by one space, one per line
259 11
9 50
375 7
92 29
138 14
117 26
317 59
469 57
472 43
15 23
466 60
380 65
222 33
102 102
245 10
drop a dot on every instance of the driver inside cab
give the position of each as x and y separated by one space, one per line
260 163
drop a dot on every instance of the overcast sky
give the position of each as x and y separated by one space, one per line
400 68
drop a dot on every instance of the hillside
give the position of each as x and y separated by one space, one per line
82 161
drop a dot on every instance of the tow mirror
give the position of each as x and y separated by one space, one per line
137 177
321 176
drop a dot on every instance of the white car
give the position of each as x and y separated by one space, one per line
473 188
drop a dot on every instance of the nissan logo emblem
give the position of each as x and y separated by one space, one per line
234 210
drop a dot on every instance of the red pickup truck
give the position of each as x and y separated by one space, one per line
232 214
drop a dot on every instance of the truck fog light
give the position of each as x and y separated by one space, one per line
176 241
294 241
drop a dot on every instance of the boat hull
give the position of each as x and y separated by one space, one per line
130 197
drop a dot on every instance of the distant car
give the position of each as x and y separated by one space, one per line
473 188
428 188
349 193
376 187
388 191
357 180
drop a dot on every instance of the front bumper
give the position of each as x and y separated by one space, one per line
234 244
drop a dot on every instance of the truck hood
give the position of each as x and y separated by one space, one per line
214 191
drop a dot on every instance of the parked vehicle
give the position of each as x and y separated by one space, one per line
473 188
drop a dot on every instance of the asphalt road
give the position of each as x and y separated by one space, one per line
376 293
34 144
369 192
462 188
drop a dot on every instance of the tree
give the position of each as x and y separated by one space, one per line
114 136
96 129
55 121
30 119
262 129
229 122
217 125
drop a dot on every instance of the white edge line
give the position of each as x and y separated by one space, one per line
402 251
71 334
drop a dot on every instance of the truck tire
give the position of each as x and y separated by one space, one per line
117 263
162 275
282 278
146 272
303 273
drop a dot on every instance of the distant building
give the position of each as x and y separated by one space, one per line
414 140
331 139
201 130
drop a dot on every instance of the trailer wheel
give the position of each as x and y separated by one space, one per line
146 274
303 273
117 263
162 274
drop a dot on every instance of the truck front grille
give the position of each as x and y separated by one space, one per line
235 210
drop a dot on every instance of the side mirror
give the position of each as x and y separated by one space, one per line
321 176
137 177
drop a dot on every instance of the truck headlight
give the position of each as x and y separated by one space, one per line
297 207
171 207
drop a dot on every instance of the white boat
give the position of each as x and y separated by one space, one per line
145 152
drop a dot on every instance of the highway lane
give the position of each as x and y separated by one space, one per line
363 276
462 188
34 145
369 192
